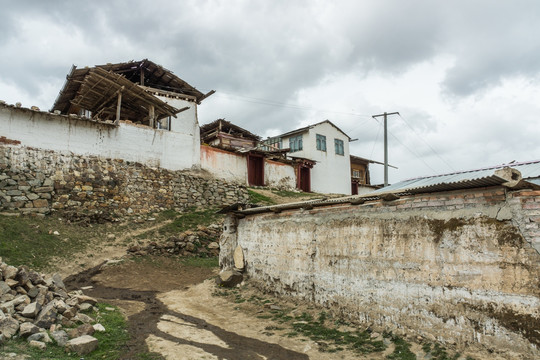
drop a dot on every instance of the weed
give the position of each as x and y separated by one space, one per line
402 350
256 198
190 220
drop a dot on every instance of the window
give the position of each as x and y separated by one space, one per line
321 142
339 146
356 173
295 143
273 144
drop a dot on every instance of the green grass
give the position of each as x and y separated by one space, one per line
402 350
190 221
111 342
256 198
27 240
288 193
438 352
201 262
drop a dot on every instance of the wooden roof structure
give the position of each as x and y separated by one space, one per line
97 89
211 130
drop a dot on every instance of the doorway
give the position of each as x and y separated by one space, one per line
255 165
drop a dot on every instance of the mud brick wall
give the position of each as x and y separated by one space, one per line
38 181
461 267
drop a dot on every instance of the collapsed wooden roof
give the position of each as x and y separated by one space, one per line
96 89
210 130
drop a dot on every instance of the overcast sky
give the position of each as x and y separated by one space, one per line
464 75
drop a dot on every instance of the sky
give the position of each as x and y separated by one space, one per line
463 74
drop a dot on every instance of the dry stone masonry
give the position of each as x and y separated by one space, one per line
41 181
32 306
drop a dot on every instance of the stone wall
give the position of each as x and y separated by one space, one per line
460 267
38 181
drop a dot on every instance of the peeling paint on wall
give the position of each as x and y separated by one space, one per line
436 265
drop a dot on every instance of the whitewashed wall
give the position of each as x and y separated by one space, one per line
233 167
224 164
173 150
332 173
279 175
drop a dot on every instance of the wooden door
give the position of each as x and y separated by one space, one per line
304 182
255 170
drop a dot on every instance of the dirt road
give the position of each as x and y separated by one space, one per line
173 314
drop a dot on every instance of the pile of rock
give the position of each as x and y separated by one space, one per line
202 242
33 306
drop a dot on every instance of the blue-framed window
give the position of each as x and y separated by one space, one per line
273 144
339 147
321 142
295 143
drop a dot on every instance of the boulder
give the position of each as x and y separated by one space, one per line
10 272
37 344
83 318
99 328
27 329
85 306
238 257
82 345
61 337
39 336
86 299
84 329
229 278
57 281
8 326
31 310
47 316
4 288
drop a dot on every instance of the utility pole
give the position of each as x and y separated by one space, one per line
385 115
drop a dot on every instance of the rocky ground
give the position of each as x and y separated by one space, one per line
164 282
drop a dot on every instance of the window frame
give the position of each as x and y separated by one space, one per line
320 142
339 145
296 143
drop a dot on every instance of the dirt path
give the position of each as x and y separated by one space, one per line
113 250
169 316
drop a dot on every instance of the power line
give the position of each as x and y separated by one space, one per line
376 138
412 152
425 142
284 105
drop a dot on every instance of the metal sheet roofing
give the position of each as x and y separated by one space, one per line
464 179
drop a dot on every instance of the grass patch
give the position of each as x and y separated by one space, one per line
438 352
293 194
201 262
27 240
402 350
256 198
331 339
111 342
190 221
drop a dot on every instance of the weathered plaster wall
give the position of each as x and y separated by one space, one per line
279 175
460 267
173 150
38 181
233 167
224 164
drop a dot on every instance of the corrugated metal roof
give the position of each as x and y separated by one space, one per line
464 179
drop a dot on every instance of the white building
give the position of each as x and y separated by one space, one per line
325 151
135 111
